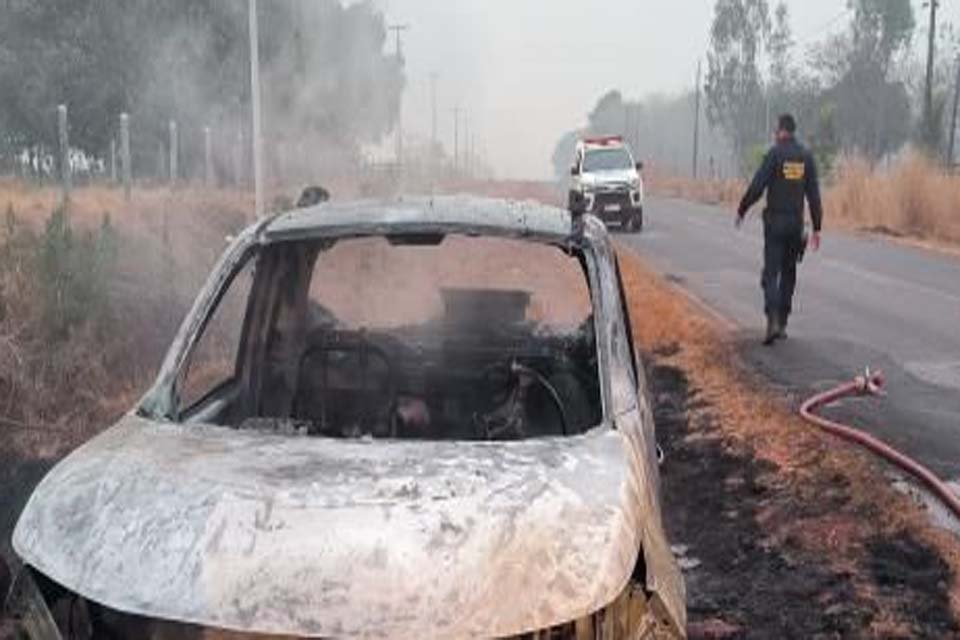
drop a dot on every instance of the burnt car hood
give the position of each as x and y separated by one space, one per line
316 537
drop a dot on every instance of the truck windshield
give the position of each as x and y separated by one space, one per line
607 160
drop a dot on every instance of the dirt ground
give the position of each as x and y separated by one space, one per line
782 532
756 586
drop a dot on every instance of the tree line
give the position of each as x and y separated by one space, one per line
328 83
857 91
850 92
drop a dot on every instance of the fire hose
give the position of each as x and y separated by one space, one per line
871 384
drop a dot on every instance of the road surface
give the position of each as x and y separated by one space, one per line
860 301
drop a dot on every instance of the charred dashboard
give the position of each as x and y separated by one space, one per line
480 373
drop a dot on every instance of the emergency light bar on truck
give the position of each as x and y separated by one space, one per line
604 140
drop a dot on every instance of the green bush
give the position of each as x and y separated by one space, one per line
17 257
73 269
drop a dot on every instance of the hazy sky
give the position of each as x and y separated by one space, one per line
528 70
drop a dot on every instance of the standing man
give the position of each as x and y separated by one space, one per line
788 175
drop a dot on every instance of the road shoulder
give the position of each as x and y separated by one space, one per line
781 528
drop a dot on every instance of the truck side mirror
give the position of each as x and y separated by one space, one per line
574 170
639 166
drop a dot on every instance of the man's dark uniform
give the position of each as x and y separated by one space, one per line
788 174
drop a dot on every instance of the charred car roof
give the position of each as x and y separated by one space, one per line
443 214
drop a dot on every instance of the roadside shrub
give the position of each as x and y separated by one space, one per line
89 302
73 268
18 250
913 196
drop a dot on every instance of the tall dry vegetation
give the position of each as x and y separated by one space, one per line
90 297
912 196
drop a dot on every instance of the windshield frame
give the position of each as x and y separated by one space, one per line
619 152
591 246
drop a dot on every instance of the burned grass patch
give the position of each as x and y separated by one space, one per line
912 574
712 497
783 531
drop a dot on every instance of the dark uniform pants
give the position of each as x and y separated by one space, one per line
783 239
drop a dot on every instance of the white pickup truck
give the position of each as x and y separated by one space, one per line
606 182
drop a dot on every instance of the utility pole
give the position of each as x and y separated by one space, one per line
930 132
473 155
238 158
434 155
126 171
953 120
398 30
113 160
255 98
433 112
696 125
768 123
456 139
65 178
208 157
466 142
174 153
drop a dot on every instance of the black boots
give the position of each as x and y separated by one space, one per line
773 329
776 328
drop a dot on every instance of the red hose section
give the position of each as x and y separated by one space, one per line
871 384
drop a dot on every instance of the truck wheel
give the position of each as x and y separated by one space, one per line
634 223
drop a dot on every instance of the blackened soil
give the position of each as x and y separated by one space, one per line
737 577
918 580
18 477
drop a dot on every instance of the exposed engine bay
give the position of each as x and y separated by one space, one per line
480 373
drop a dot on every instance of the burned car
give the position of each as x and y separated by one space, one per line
412 419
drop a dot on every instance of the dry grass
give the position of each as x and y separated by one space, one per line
88 204
807 461
55 392
55 395
914 197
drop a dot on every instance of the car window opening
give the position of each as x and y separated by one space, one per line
456 338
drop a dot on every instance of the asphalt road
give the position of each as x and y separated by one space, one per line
861 301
